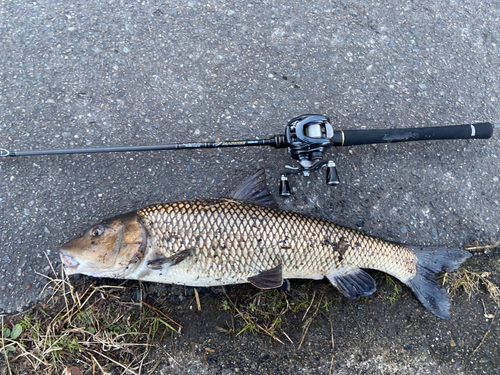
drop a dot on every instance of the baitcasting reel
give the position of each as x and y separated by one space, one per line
307 138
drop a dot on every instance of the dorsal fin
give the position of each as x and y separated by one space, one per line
253 189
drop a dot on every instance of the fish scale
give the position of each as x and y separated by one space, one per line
237 236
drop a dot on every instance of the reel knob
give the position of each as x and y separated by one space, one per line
332 176
284 186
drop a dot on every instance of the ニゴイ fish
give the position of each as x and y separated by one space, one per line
246 238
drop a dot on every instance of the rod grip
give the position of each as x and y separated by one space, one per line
482 130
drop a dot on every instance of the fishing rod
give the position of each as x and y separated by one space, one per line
307 138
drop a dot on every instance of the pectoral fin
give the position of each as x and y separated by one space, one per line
158 262
268 279
354 284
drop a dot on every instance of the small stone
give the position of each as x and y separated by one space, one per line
264 356
452 343
126 49
230 12
422 86
409 347
486 326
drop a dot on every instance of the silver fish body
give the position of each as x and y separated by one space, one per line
230 241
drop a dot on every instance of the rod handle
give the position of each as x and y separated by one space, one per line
482 130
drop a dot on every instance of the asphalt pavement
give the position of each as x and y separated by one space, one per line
96 74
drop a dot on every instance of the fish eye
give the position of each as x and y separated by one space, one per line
97 231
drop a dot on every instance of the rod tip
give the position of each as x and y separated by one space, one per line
4 152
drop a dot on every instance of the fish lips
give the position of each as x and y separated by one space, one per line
70 263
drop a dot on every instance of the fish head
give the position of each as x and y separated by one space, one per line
112 248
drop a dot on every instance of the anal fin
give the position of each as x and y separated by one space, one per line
354 284
268 279
157 264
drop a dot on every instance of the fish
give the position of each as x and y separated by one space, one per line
246 238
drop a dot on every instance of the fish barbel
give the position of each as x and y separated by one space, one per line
246 238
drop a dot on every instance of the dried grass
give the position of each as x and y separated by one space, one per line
94 329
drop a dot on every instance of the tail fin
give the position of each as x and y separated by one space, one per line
431 260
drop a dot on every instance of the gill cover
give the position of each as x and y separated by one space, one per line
111 248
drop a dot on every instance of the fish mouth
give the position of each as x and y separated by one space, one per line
70 263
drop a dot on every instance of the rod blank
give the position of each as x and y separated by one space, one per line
173 146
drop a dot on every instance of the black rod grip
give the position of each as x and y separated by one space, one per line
482 130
